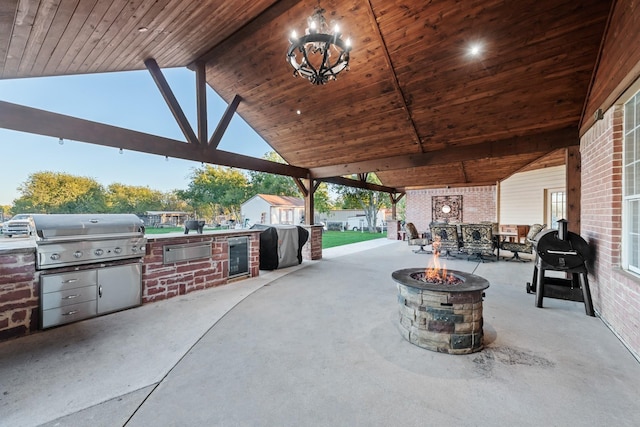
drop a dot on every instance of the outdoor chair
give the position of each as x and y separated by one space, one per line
445 238
477 240
415 239
526 247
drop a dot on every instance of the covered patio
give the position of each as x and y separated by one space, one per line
318 344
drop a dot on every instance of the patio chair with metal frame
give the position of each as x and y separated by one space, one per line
416 239
445 238
526 247
477 239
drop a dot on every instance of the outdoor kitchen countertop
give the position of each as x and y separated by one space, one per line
17 244
206 233
28 244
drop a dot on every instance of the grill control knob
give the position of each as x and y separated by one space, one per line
55 257
117 250
98 252
77 254
134 249
142 248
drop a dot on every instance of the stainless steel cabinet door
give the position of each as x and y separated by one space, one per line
119 287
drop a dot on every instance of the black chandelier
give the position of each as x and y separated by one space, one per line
311 55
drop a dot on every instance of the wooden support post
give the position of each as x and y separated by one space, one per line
573 186
308 202
201 100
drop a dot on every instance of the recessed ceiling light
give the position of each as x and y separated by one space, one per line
475 49
143 29
298 112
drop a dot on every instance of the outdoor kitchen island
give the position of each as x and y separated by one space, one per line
173 264
176 264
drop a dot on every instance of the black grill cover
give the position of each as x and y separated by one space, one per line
281 245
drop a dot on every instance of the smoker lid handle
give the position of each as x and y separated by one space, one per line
550 251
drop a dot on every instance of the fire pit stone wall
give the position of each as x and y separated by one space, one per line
446 319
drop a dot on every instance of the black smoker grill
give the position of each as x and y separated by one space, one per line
562 250
89 265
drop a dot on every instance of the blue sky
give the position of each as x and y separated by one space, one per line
128 99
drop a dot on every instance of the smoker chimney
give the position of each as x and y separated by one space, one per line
563 234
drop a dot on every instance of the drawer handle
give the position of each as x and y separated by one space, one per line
71 296
70 313
70 281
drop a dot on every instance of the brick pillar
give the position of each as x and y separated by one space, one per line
19 294
393 228
312 250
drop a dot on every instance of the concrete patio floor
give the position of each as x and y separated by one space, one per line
317 345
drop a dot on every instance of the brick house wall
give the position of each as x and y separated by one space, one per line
478 204
615 292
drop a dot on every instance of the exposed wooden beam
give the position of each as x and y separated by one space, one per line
224 122
201 100
31 120
171 100
301 186
359 184
394 77
542 142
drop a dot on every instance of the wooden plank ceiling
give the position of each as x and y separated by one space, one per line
414 107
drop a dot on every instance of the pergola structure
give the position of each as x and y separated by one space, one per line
415 106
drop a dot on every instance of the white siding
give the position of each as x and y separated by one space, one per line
522 196
253 210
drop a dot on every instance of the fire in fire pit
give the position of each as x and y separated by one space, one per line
442 314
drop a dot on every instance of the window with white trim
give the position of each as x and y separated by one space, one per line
631 185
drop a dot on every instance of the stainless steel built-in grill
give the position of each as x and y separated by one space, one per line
76 239
90 265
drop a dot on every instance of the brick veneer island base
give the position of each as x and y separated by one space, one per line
20 281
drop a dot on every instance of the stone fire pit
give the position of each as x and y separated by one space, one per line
441 317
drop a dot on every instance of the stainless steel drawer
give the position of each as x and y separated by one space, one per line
75 279
67 314
68 297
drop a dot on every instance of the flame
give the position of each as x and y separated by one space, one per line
437 273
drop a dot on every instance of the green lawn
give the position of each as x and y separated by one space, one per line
329 238
165 230
339 238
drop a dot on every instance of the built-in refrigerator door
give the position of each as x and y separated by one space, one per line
119 287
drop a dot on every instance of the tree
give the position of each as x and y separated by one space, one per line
171 201
266 183
53 192
121 198
216 190
370 201
322 199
